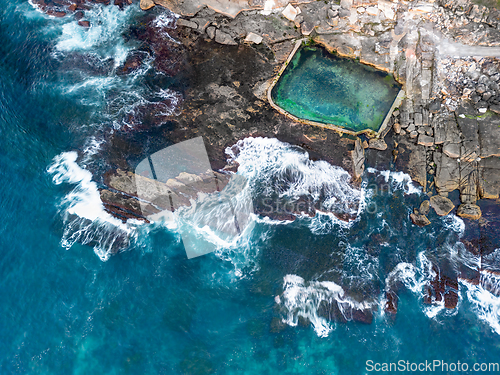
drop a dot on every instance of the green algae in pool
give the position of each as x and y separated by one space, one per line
320 87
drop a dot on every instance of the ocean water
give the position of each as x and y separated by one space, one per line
254 306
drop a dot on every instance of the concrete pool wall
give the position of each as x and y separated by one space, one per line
332 125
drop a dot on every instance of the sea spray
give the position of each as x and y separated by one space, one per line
104 37
277 170
303 299
85 219
483 302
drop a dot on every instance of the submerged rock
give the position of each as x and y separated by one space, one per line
391 304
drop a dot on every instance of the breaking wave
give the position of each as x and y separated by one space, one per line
398 180
85 219
303 299
278 169
484 300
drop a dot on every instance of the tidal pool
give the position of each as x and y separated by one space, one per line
320 87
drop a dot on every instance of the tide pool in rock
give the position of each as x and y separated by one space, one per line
318 86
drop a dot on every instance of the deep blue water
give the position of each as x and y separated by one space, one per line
149 309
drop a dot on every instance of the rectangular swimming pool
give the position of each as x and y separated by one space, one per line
320 87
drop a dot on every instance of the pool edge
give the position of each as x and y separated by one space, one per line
369 132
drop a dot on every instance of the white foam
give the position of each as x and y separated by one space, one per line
273 167
104 35
413 277
165 22
485 304
86 221
302 299
359 264
454 223
398 181
223 223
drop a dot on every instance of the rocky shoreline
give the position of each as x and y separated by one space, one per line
449 119
445 134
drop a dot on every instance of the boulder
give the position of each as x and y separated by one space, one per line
188 178
372 11
84 23
55 13
441 205
358 159
425 207
469 211
447 173
307 27
210 30
489 178
377 144
222 37
147 4
448 133
186 23
468 126
253 38
495 108
290 12
425 140
419 219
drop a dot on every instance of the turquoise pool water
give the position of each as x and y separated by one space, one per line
318 86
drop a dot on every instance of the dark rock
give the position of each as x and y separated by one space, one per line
450 299
84 23
133 62
224 38
391 305
55 13
495 108
363 316
79 15
435 106
277 325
